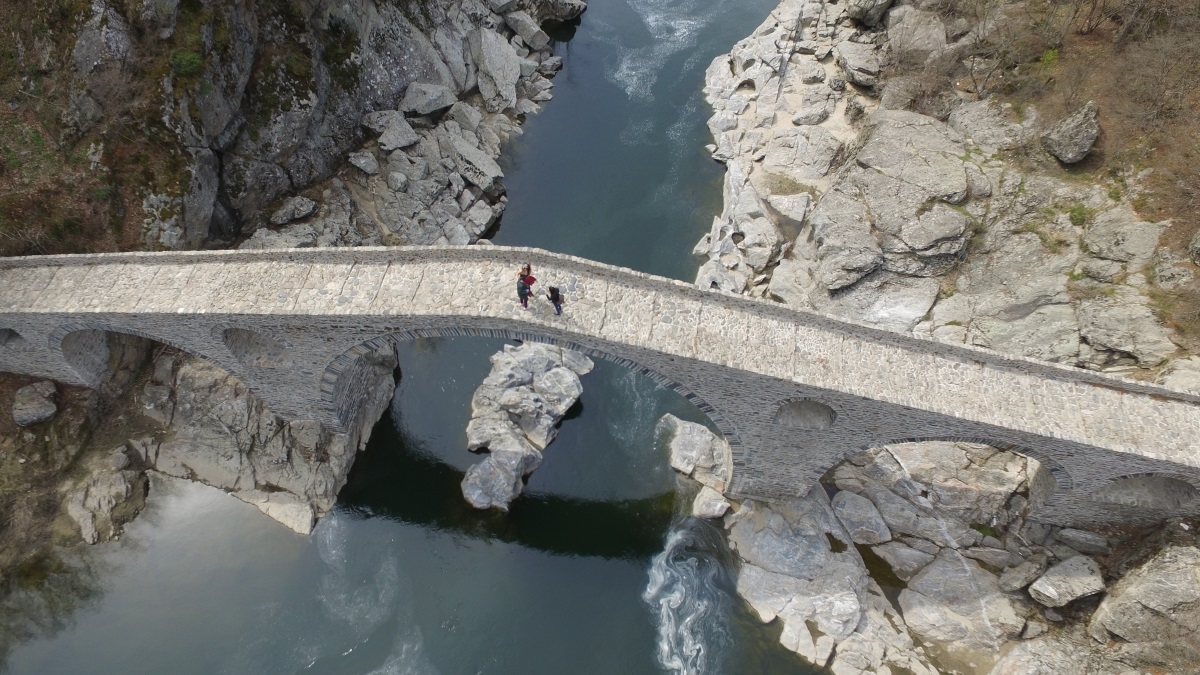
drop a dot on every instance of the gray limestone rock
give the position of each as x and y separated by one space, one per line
499 479
1155 611
905 561
107 497
860 62
422 99
1019 576
529 30
393 128
1119 235
1071 139
915 31
1069 580
803 154
860 518
870 12
847 249
1125 323
365 161
293 208
514 415
474 164
1088 543
696 452
986 123
1183 375
34 403
955 602
499 68
709 503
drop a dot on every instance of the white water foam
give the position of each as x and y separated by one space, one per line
689 608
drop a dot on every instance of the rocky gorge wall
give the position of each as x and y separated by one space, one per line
840 196
311 123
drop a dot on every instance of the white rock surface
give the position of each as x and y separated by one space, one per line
1069 580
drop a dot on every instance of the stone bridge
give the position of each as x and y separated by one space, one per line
793 392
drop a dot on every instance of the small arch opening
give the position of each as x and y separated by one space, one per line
1150 491
805 414
11 339
745 87
256 350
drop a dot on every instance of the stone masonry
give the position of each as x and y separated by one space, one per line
793 392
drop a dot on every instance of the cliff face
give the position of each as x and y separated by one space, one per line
186 119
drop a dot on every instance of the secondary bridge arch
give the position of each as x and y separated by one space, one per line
742 358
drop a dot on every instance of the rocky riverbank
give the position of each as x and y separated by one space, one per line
331 124
840 197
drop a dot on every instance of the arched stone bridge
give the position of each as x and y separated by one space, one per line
793 392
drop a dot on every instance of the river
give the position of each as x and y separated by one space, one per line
594 569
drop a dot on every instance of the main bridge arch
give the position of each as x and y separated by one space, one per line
346 377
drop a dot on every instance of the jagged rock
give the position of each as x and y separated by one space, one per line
848 249
474 164
499 69
1088 543
709 503
1183 375
1124 322
696 452
799 567
1019 576
528 29
294 208
108 497
499 479
915 31
291 511
422 99
956 602
905 561
1068 580
860 62
365 161
34 403
804 153
1119 235
393 128
860 518
514 415
558 10
1071 139
225 437
986 123
1154 611
870 12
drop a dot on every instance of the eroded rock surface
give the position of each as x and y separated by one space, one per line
515 414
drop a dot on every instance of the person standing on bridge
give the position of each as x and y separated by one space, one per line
525 283
555 298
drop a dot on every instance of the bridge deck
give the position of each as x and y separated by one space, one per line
623 307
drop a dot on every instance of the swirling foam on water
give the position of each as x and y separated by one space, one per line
690 610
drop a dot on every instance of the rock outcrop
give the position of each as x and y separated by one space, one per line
222 435
1071 139
34 403
515 414
704 457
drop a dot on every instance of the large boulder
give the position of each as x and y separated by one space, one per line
34 403
515 413
860 518
870 12
1156 608
1069 580
293 208
111 494
696 452
1071 139
955 602
422 99
499 69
